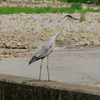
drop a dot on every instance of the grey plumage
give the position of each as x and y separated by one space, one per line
47 47
43 50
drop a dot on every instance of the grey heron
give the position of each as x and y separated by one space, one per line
47 47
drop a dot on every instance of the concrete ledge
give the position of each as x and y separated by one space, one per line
20 88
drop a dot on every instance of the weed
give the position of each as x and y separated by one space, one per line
89 10
82 12
82 1
98 20
81 31
76 5
82 16
59 42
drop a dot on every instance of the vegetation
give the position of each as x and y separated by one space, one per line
82 1
77 5
28 10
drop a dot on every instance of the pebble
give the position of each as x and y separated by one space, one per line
22 27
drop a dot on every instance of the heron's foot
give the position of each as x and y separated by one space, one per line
49 80
45 80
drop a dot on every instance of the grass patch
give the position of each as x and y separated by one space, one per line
82 1
38 10
83 12
76 5
29 10
59 42
82 17
89 10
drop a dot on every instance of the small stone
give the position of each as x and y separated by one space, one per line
22 14
4 53
96 42
81 48
88 2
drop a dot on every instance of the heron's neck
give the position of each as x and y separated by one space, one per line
61 29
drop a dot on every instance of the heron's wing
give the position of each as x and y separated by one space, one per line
44 50
35 55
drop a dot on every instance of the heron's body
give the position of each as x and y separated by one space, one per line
43 50
47 47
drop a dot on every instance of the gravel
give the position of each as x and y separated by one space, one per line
22 31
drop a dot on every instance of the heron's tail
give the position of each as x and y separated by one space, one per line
29 62
33 59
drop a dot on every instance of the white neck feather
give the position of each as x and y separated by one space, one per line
61 29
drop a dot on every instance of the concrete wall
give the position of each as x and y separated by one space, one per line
19 88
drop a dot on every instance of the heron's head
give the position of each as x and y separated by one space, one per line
69 17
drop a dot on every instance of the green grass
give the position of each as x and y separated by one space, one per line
83 12
76 5
29 10
82 1
89 10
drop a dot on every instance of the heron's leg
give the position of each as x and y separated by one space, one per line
48 67
40 70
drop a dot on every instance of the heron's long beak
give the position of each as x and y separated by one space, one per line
71 17
77 19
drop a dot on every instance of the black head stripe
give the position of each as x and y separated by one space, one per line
69 16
